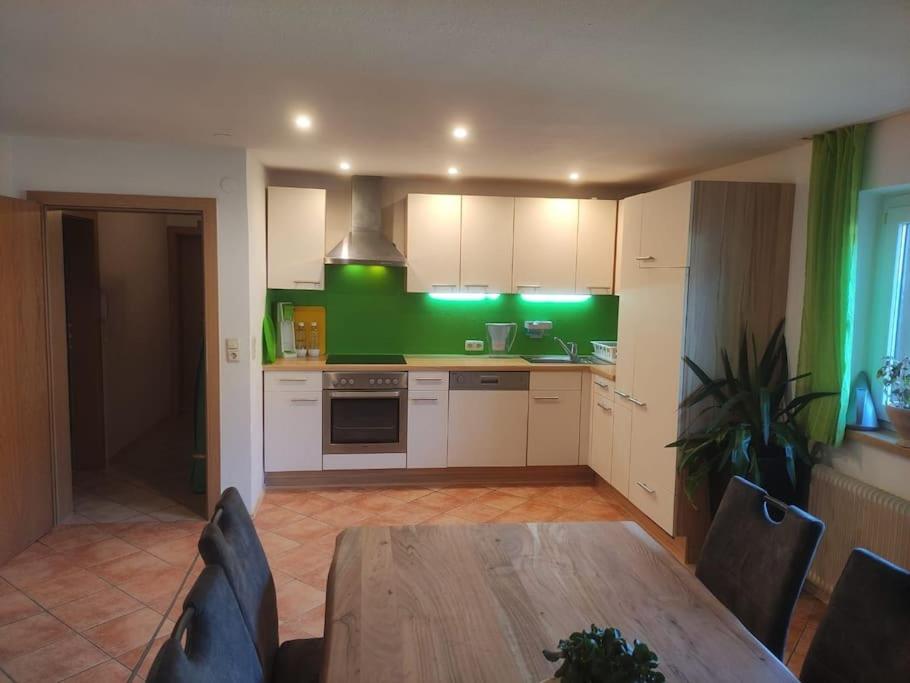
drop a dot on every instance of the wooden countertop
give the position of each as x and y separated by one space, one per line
480 602
441 363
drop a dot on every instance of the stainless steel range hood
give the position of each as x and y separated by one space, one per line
365 244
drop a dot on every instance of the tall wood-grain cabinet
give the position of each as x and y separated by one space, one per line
296 238
546 245
695 262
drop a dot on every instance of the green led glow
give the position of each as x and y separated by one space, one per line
555 298
463 296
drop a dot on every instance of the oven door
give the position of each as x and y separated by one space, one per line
365 421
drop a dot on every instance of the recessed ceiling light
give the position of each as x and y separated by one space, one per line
460 132
344 165
574 175
303 122
453 170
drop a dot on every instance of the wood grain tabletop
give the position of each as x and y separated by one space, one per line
480 602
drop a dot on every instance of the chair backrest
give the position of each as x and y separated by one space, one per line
756 565
230 541
865 634
218 647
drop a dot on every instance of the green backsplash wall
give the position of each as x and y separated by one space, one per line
369 311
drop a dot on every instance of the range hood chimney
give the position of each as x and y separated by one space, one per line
365 244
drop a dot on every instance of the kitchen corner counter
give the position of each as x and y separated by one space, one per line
440 363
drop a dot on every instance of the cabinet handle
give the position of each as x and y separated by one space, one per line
444 286
528 286
304 400
294 380
306 282
602 385
644 258
606 409
645 488
484 286
546 398
636 401
428 400
620 393
592 288
428 379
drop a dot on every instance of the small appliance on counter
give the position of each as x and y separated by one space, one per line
284 316
501 337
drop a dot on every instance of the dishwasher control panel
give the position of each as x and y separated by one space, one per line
519 380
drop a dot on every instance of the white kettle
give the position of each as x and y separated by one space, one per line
500 337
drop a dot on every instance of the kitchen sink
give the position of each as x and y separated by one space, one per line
581 360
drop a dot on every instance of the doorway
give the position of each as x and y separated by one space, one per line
134 436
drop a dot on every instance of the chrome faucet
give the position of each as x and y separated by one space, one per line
570 348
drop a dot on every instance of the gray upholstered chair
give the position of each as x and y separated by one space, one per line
865 634
218 647
756 564
230 541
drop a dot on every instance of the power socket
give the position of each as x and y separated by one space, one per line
473 345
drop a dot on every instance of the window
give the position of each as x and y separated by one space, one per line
899 320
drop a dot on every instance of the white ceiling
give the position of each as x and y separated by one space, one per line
622 90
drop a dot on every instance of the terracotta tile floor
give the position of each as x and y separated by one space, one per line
82 602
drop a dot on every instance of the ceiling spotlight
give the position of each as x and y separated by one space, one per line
460 132
453 170
574 175
303 122
344 165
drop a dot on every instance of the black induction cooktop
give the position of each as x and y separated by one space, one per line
364 359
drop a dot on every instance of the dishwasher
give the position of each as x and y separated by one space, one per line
488 419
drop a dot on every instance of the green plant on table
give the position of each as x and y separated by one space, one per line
602 655
895 377
750 417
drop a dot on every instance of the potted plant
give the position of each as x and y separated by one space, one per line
895 377
748 427
602 655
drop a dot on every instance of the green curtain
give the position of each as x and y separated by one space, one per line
827 326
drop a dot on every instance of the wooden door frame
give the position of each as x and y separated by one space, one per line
204 207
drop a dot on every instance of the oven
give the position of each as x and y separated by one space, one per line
364 412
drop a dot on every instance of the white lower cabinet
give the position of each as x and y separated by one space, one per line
622 447
601 457
293 431
554 417
428 415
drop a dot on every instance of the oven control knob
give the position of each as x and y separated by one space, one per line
388 381
343 382
394 381
372 381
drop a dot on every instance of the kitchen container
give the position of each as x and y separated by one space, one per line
605 350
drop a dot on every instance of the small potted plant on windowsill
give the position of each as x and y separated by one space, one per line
895 377
602 655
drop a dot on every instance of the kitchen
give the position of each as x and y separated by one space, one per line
426 336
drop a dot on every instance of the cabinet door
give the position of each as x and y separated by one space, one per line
628 241
488 428
622 447
293 431
433 242
296 238
428 415
596 246
665 227
630 312
656 388
546 245
553 424
602 435
486 243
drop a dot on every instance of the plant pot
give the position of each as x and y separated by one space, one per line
900 418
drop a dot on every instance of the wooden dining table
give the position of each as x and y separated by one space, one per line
481 602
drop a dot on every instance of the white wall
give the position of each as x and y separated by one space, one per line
6 171
136 334
256 210
132 168
887 166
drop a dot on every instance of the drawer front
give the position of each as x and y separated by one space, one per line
428 417
553 427
429 380
293 431
556 380
293 381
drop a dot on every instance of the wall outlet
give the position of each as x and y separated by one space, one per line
232 350
473 345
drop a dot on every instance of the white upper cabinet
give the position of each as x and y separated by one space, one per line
596 246
628 241
434 242
546 245
486 243
665 222
296 238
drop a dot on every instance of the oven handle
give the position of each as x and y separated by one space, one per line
364 394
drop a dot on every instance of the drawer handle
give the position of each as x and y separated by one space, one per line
428 379
646 488
606 409
304 400
644 258
427 400
546 398
294 380
602 385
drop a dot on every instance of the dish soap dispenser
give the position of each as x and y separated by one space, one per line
313 346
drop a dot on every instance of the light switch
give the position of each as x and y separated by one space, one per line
232 349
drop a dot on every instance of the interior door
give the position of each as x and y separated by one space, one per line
26 483
83 335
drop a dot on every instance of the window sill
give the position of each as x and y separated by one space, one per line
886 440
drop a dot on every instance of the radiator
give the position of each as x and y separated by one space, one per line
856 515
